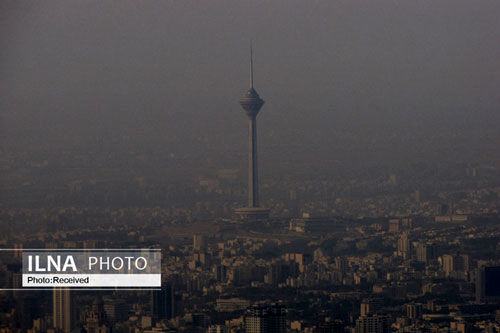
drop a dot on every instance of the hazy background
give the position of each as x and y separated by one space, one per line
346 83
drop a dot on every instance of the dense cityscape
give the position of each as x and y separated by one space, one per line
368 200
402 261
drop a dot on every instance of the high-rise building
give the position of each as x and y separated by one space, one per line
265 319
394 225
252 103
62 312
199 242
425 252
456 266
19 250
417 196
447 264
487 287
370 306
404 249
414 310
163 303
372 324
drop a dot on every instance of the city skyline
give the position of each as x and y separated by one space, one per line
368 200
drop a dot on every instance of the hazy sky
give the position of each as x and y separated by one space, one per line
87 66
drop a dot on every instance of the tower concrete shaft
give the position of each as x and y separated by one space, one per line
253 172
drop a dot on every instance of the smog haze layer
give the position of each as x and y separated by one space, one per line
149 90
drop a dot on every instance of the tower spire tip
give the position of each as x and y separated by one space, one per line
251 65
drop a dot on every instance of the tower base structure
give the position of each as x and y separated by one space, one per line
252 213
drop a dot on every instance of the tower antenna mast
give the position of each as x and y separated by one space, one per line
251 65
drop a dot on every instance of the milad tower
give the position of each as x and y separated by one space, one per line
252 103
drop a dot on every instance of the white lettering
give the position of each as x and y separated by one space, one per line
129 259
51 263
92 262
113 263
105 262
137 265
70 262
37 265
